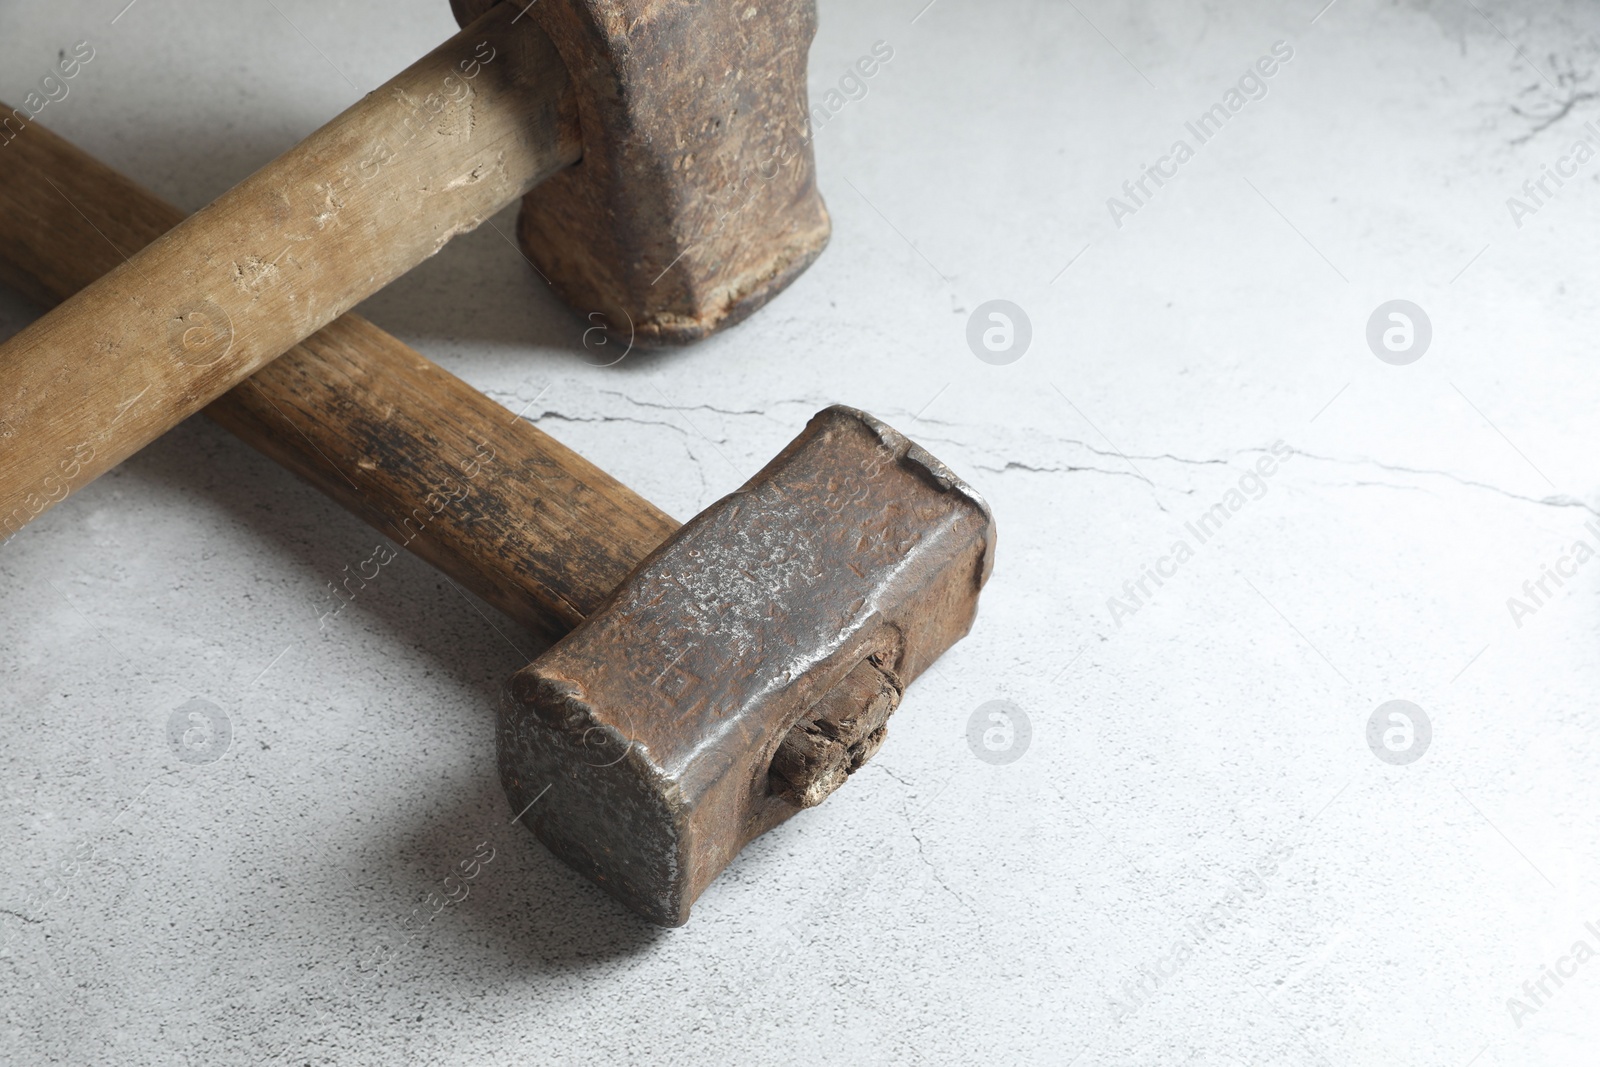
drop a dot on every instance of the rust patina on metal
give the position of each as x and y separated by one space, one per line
809 598
696 198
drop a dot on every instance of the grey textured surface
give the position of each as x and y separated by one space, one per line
1197 797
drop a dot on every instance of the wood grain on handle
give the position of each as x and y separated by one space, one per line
452 139
523 521
536 530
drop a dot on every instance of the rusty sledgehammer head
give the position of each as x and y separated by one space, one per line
696 199
747 665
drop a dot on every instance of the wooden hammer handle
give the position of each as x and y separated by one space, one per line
529 525
446 143
523 521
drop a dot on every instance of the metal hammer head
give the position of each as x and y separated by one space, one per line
645 745
695 201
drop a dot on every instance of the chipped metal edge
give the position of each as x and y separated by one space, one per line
909 452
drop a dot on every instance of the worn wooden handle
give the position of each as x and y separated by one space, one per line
529 525
449 141
523 521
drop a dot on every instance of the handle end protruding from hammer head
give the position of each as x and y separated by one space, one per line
664 727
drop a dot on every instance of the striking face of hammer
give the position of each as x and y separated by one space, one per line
853 553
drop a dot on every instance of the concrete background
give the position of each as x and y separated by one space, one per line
1192 857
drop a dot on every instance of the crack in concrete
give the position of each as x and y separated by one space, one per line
550 413
1103 452
938 877
560 416
1556 501
1012 465
891 774
702 407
